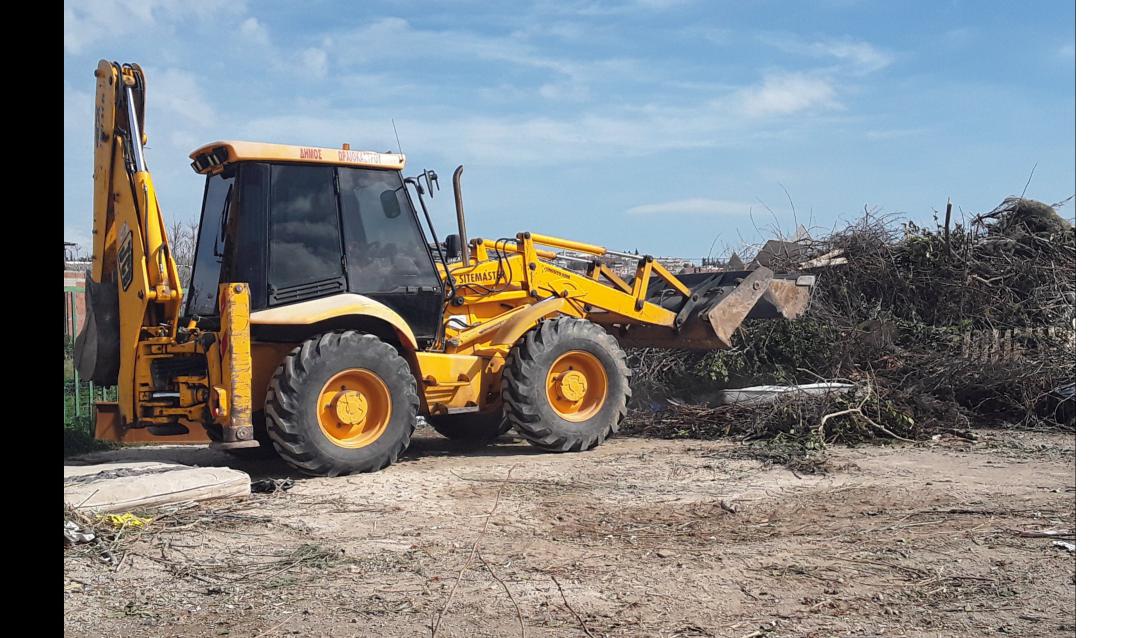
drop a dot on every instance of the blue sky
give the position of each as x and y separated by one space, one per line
669 126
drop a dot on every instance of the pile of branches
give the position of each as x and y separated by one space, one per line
950 326
791 430
1012 267
108 538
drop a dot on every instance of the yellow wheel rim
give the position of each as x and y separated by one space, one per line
354 408
576 385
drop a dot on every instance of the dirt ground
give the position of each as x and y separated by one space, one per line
640 537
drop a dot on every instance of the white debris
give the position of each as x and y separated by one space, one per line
769 393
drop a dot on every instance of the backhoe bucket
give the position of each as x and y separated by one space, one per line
97 345
723 301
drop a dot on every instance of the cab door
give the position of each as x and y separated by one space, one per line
385 248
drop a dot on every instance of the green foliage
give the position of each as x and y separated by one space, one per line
79 398
78 439
768 352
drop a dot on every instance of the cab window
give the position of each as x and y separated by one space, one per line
202 297
385 250
304 233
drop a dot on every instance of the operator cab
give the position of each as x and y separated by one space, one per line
299 223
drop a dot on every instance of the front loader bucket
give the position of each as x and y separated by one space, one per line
724 301
715 323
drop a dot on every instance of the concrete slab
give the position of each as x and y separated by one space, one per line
121 487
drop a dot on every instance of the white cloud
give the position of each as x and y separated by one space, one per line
861 54
255 32
564 91
185 141
858 56
660 5
894 134
88 23
960 36
502 93
177 95
610 7
403 40
78 109
693 206
567 31
315 62
586 123
784 94
731 118
574 122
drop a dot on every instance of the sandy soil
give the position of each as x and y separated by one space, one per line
640 537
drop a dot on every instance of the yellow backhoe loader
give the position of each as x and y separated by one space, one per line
319 320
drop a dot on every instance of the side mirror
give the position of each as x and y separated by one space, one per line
430 181
452 247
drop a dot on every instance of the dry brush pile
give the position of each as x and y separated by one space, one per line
938 329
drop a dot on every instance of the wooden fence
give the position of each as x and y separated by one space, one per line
1012 344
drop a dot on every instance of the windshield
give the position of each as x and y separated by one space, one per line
202 297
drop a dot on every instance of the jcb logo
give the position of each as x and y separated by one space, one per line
98 124
126 260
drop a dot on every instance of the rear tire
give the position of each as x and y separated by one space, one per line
474 427
342 403
566 385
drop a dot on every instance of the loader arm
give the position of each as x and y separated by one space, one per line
653 308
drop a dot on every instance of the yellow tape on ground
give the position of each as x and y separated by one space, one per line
126 520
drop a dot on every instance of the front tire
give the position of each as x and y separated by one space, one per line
566 385
342 403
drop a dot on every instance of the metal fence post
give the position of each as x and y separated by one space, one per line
74 370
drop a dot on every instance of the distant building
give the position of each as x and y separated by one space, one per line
571 260
74 301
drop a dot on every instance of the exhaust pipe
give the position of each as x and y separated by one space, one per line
459 217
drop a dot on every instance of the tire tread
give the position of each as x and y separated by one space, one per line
524 384
282 408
